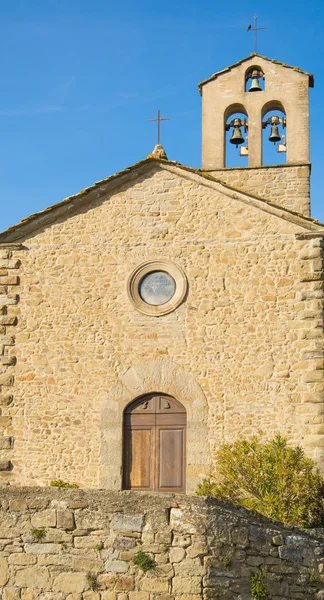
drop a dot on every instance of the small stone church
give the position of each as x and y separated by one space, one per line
166 310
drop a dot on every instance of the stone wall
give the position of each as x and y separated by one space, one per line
81 545
242 353
9 298
285 185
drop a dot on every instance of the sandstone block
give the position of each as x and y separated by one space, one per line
189 567
42 548
5 422
124 583
121 522
9 300
181 540
5 400
21 559
4 571
12 593
197 550
82 563
6 380
90 519
44 518
5 465
154 585
113 565
33 577
139 596
107 581
5 444
186 585
65 519
71 582
108 596
91 596
177 554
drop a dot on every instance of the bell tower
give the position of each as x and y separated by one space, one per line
268 95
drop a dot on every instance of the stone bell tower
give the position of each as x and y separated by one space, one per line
284 89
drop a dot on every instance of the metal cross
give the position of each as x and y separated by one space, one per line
255 29
159 119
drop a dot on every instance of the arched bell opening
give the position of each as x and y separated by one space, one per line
254 80
236 136
154 444
274 134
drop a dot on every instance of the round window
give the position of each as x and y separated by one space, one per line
157 287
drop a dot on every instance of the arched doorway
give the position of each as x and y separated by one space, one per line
154 457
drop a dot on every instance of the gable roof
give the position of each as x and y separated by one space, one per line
276 62
69 205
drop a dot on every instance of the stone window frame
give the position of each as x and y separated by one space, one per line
150 266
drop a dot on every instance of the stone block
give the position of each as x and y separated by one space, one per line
113 565
5 465
83 563
107 581
154 585
5 421
91 596
122 522
108 596
5 443
44 518
176 554
33 577
43 548
65 519
139 596
12 593
181 540
240 536
6 400
71 582
291 553
4 571
186 585
17 504
124 583
90 519
189 567
21 559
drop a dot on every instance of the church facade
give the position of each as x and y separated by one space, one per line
166 310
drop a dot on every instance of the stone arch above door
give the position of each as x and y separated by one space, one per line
159 375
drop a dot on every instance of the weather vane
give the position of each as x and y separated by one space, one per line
159 119
255 29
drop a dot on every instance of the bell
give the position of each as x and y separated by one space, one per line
274 134
237 137
255 86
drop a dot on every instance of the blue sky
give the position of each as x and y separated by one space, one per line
81 78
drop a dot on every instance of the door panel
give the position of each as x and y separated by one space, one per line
170 463
154 444
138 459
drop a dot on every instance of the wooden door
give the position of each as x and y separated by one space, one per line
154 445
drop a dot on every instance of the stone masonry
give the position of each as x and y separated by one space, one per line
243 353
9 285
287 186
82 544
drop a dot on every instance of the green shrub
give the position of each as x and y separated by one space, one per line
63 484
144 561
272 478
259 590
